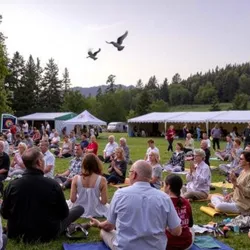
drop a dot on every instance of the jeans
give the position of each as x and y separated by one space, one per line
170 145
112 179
217 142
63 181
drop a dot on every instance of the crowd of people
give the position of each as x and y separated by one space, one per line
36 210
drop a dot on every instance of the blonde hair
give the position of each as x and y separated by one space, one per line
120 150
22 145
156 156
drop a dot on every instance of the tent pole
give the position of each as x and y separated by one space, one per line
207 127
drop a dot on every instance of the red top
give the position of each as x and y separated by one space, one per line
13 130
93 145
185 239
170 134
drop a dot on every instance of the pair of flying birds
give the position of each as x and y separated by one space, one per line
117 44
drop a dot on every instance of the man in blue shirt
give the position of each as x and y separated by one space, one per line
140 214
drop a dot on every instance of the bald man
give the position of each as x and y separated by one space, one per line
139 213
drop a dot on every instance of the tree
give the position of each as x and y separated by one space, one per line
164 93
158 106
99 93
152 83
143 103
131 114
244 84
52 93
139 84
240 102
178 95
111 84
74 101
215 104
176 79
66 80
205 94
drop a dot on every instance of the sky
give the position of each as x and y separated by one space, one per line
164 36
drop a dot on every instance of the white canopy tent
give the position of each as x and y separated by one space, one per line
85 118
232 116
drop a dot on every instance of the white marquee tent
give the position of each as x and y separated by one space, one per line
205 118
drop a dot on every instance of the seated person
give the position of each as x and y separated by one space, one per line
151 148
51 135
17 167
90 188
117 169
204 146
225 154
84 143
189 143
28 141
198 179
109 150
4 165
177 160
65 178
17 141
124 146
55 141
66 150
235 153
36 136
45 136
156 170
92 146
6 144
239 200
173 186
72 139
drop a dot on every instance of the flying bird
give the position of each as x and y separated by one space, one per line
118 44
93 55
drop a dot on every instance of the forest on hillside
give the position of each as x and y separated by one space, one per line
26 87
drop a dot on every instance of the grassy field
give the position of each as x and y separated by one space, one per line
138 148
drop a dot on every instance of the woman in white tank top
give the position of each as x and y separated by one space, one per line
90 188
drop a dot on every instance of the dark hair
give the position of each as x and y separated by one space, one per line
237 140
31 156
180 145
91 164
229 136
175 184
246 155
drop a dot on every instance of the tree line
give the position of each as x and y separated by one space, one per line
26 87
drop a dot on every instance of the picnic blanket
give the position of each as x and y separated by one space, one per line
85 246
208 243
212 212
220 184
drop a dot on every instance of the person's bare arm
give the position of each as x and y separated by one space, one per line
104 193
47 169
73 192
176 231
105 225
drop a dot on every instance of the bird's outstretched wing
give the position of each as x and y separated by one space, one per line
121 38
108 42
94 54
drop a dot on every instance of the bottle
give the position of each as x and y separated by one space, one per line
224 189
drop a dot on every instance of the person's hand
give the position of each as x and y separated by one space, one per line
94 222
192 167
227 198
233 178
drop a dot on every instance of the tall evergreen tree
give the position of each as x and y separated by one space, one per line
111 84
176 79
164 93
66 80
51 96
143 104
152 83
98 93
139 84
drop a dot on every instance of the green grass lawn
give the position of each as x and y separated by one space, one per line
138 148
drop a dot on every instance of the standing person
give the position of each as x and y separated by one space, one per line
173 186
170 137
216 135
13 131
198 132
126 227
246 135
35 206
47 127
25 127
205 137
185 131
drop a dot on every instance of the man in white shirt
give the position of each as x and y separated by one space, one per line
132 221
47 127
109 150
151 148
25 127
49 160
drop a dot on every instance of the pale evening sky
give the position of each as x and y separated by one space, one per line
165 36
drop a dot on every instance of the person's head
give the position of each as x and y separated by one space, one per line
216 126
111 139
151 143
140 171
237 142
92 138
245 160
66 138
21 147
1 146
247 148
189 136
56 134
72 134
171 127
78 150
203 144
119 152
33 158
173 184
199 155
123 142
84 137
179 146
91 164
44 146
228 138
154 157
204 136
